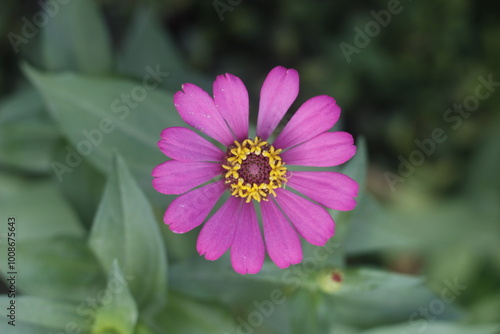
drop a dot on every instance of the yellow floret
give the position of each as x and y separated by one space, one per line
254 191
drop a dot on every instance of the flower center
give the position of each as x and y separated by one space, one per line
254 169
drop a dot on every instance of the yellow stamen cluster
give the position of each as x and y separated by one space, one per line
256 160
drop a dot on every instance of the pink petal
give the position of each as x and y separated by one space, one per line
247 251
331 189
184 144
176 177
325 150
282 242
198 110
217 233
278 92
190 210
231 98
315 116
311 220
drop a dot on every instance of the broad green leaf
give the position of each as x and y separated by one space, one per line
28 145
58 267
27 136
125 229
93 115
44 312
39 209
146 43
76 38
148 46
371 297
219 281
435 327
23 104
361 281
82 187
371 227
185 316
357 166
118 311
377 309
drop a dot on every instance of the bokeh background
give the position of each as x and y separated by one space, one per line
428 215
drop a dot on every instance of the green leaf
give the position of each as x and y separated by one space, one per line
371 227
125 229
371 297
219 281
147 45
27 145
59 267
118 312
54 314
75 38
356 167
82 187
185 316
361 281
23 104
93 116
39 208
27 137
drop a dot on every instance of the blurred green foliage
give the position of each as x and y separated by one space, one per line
93 254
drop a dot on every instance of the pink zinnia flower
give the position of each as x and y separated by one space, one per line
255 172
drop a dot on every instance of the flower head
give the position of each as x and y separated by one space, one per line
254 172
